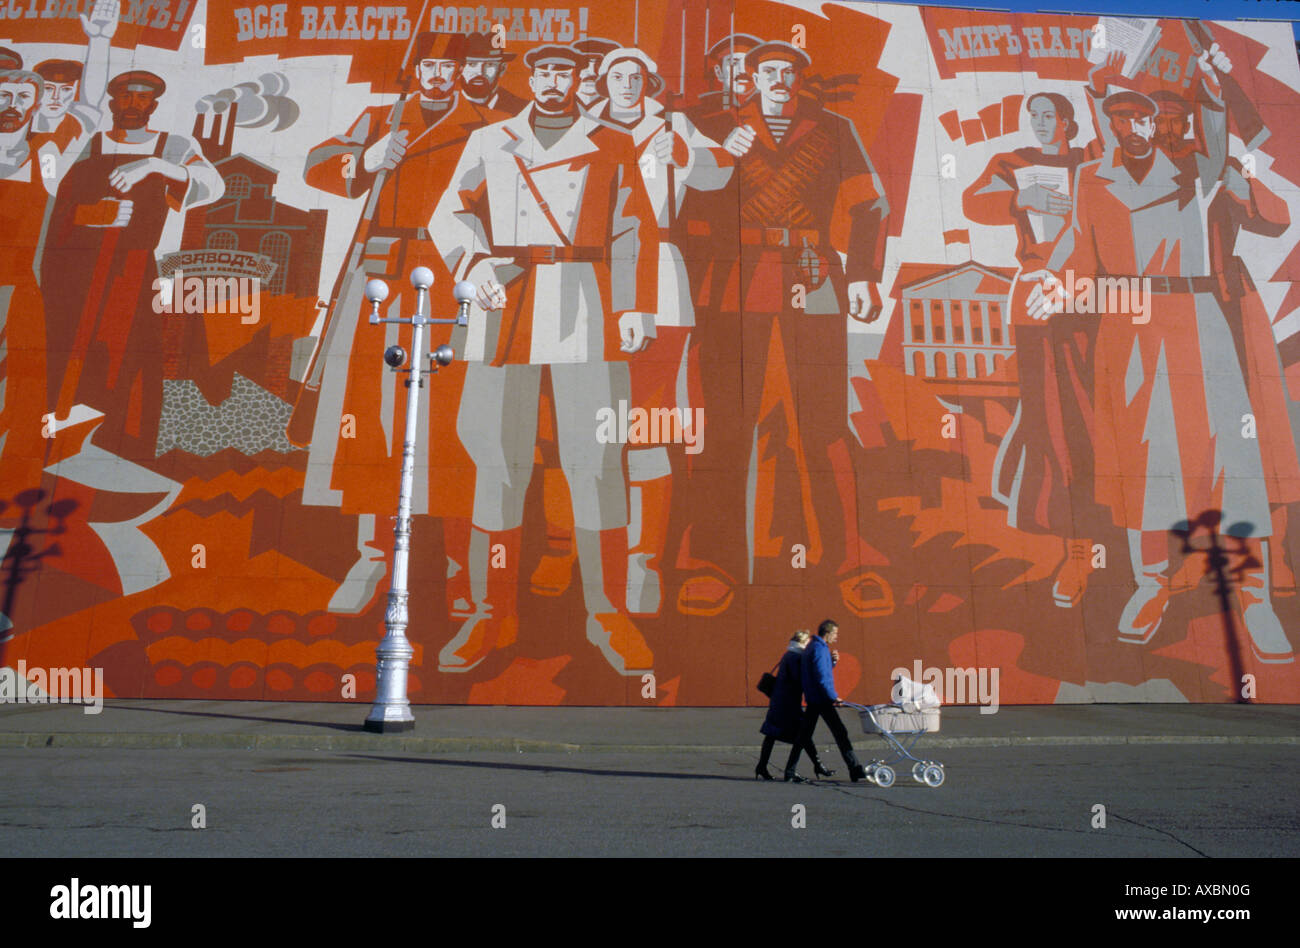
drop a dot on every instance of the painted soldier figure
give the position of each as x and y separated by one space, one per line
401 159
1168 444
1246 204
802 174
714 112
549 205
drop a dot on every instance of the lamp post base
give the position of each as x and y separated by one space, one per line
389 727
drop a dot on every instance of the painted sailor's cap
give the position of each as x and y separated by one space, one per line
1127 102
10 58
776 49
137 80
733 43
554 52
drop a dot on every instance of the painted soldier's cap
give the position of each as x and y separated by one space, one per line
438 46
654 81
554 52
137 80
776 49
595 47
10 58
477 46
733 43
58 70
1128 103
1167 100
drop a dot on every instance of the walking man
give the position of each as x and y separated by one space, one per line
819 691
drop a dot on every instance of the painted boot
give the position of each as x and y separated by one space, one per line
602 559
647 529
1072 578
494 589
1267 638
554 572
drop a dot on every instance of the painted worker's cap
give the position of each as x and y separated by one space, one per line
1167 100
554 53
137 80
1128 102
58 70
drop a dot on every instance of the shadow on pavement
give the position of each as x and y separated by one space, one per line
543 768
357 728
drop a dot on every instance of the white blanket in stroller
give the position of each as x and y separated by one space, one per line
913 696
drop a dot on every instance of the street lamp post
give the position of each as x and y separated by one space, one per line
391 711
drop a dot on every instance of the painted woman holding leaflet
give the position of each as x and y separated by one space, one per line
1044 469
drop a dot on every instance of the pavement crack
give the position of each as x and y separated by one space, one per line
1156 829
977 819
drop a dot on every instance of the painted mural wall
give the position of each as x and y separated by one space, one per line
975 332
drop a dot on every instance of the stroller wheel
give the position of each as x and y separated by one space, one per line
933 775
884 776
918 770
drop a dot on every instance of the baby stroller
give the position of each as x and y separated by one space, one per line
915 712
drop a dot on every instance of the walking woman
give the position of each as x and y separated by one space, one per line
785 709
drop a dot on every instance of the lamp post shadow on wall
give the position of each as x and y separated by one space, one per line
1217 567
391 711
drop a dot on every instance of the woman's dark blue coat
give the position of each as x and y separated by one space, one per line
785 707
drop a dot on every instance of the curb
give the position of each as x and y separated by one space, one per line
446 745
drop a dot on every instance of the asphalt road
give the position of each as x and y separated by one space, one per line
1216 800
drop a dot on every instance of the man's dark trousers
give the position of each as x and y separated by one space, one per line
826 711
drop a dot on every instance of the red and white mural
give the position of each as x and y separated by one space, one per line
975 332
